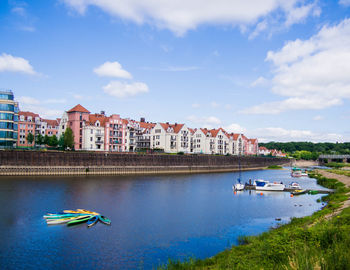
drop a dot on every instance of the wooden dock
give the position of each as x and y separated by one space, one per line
319 191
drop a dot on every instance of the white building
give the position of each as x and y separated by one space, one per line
94 133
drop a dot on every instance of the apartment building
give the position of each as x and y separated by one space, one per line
8 120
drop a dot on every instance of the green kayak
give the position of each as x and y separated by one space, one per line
79 220
104 220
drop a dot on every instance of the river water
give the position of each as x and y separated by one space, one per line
153 218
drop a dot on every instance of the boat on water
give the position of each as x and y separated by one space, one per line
267 185
296 172
294 185
238 186
299 191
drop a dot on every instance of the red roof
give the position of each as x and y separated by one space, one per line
175 127
100 117
53 123
147 125
78 108
26 114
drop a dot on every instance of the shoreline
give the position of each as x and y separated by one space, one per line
295 245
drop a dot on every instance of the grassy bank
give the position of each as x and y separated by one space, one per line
320 241
275 167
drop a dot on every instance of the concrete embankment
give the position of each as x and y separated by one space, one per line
92 163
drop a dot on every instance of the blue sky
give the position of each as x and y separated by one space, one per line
275 70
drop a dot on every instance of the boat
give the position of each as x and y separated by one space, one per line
267 185
79 220
299 191
104 220
313 192
66 220
238 186
294 185
92 221
296 172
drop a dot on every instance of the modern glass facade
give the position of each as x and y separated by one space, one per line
8 119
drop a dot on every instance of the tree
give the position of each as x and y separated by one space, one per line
68 138
53 141
39 140
61 141
46 140
30 138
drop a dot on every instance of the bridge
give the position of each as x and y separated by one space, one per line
324 159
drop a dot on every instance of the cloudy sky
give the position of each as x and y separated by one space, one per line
273 69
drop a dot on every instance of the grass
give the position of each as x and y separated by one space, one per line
275 167
340 172
312 242
337 165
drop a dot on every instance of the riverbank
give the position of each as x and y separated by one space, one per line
319 241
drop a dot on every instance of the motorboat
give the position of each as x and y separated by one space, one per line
267 185
296 172
294 185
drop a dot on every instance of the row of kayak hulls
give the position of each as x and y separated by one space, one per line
72 217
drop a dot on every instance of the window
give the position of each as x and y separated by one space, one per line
91 131
90 139
158 131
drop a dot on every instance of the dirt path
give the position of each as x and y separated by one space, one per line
342 178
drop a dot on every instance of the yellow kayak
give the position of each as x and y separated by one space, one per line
81 211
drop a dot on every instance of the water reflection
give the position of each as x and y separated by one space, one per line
153 218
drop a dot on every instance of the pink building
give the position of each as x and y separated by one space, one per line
76 116
115 133
26 125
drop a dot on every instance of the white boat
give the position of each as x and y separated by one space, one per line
294 185
267 185
238 187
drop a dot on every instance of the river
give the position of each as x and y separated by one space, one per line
153 218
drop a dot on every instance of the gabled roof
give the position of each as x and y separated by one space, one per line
253 141
53 123
97 117
204 130
26 114
78 108
147 125
235 136
176 127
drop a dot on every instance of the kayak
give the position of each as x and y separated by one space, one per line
63 216
299 191
79 220
105 220
92 221
66 220
80 211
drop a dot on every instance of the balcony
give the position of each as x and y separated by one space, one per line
99 142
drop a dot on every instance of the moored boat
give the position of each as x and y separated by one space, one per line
299 191
294 185
79 220
104 220
92 221
267 185
66 220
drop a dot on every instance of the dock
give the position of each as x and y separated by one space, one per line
319 191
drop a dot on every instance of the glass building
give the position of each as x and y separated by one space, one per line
8 119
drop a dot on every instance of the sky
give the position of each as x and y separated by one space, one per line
272 69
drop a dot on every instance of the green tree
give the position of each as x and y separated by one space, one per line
68 138
53 141
39 140
61 141
30 138
46 140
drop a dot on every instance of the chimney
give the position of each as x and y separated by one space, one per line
103 112
142 120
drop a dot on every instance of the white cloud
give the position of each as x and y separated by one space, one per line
204 122
299 14
261 26
285 135
235 128
312 74
344 2
122 90
15 64
112 69
28 100
183 15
